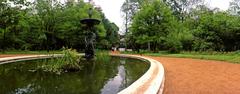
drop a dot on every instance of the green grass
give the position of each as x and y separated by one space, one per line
233 57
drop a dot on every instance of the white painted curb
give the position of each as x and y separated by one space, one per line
30 57
155 86
23 58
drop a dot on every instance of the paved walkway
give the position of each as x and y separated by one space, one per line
194 76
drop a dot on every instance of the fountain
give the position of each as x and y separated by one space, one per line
90 35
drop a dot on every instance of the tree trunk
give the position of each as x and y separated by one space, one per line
4 38
149 46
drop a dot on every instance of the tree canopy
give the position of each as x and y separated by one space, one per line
177 25
50 25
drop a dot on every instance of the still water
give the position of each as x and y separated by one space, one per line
94 78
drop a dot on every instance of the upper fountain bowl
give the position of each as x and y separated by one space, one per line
90 21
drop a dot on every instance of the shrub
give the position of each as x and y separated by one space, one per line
70 61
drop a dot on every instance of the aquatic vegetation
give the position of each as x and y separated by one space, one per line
103 56
70 61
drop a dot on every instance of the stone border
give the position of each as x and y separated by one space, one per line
152 82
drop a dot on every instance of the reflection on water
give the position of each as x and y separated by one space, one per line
114 85
95 78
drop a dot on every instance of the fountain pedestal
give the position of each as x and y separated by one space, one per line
90 35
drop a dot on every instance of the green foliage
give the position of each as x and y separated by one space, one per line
111 32
216 31
199 28
104 44
49 25
172 25
173 43
152 24
69 62
156 25
103 56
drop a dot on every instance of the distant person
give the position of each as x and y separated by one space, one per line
113 49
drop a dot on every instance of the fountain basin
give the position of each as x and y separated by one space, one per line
155 86
95 78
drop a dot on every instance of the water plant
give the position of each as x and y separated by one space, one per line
103 56
69 61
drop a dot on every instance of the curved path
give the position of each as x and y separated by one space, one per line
194 76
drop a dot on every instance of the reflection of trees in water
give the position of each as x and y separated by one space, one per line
115 84
134 70
98 73
17 79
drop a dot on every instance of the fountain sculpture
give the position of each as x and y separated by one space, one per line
90 34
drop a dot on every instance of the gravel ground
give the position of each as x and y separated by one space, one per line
194 76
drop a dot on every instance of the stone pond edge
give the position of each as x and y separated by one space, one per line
153 85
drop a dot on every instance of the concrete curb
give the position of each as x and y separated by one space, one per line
30 57
23 58
148 83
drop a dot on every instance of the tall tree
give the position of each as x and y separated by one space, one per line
181 8
10 20
234 7
130 8
152 23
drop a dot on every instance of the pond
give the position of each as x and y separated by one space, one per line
94 78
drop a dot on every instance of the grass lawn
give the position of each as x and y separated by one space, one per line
233 57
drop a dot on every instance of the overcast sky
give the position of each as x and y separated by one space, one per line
112 8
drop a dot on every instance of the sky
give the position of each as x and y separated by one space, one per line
112 9
222 4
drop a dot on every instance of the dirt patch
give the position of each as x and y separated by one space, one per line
194 76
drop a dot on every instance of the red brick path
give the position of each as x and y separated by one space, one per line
194 76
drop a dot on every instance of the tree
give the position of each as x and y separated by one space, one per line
152 24
215 30
181 8
234 7
49 25
130 8
10 22
111 32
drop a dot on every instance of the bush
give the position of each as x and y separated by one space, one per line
173 42
69 62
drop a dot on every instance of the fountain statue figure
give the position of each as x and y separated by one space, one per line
90 34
